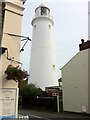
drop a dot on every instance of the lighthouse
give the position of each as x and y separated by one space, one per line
43 60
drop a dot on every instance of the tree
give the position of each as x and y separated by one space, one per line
30 90
29 93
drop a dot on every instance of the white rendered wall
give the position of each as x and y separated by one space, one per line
89 80
43 63
75 83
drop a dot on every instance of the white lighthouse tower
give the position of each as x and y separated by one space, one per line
43 63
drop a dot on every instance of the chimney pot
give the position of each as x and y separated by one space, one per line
82 41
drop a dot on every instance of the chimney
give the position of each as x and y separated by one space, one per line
84 45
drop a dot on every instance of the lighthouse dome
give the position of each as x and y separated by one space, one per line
42 10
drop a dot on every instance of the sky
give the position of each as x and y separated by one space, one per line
70 26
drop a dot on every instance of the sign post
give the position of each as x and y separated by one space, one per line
58 109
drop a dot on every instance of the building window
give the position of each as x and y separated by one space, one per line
54 94
59 83
57 94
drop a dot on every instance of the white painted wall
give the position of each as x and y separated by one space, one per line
75 83
89 80
42 71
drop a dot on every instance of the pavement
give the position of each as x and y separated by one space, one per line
43 115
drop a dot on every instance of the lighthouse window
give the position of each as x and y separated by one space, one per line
54 67
34 26
43 11
49 26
